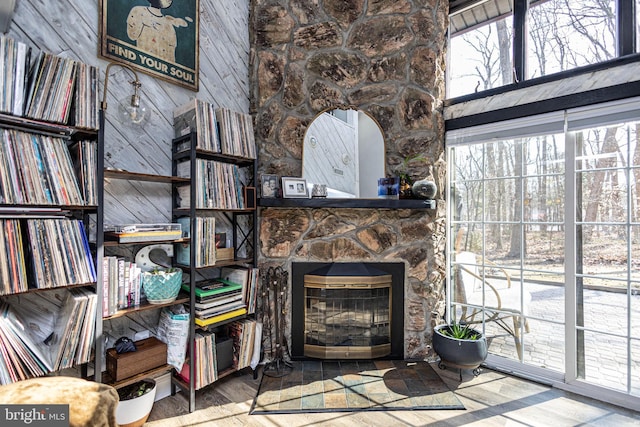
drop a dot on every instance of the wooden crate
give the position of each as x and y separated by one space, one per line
223 254
151 353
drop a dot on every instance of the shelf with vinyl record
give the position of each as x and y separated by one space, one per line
49 193
218 207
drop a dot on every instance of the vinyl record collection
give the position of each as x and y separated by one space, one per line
85 163
47 87
57 254
219 130
206 368
38 170
219 185
208 351
45 332
13 272
205 246
60 253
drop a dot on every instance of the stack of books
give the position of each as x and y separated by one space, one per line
217 300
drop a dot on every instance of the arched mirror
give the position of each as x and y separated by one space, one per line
344 149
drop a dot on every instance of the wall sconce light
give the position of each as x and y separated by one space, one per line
130 109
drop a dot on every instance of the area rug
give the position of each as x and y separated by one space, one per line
348 386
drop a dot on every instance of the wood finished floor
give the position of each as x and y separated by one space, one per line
491 399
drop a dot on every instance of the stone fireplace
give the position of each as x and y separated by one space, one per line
347 310
386 58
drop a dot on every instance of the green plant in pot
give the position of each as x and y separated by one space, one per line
402 171
135 403
161 286
459 346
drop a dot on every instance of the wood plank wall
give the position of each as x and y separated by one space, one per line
69 28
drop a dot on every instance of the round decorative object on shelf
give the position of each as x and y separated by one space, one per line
425 189
161 286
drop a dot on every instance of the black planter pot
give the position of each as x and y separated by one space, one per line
457 353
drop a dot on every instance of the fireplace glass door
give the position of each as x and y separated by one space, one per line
347 317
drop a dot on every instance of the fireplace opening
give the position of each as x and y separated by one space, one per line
347 310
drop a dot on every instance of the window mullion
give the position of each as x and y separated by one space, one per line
626 16
571 363
520 9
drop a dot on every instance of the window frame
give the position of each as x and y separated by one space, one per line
626 53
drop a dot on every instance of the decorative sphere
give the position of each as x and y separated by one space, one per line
425 189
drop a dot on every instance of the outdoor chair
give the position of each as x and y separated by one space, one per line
500 300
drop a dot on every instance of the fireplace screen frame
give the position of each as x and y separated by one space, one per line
295 313
341 327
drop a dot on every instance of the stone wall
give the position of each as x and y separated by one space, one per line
385 57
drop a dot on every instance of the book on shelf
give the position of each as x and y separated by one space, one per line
213 287
219 309
122 285
221 317
212 302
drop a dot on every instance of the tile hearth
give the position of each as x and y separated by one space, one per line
316 386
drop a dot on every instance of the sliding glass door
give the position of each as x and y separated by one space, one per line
544 244
607 249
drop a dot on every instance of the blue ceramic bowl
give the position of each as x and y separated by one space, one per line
161 287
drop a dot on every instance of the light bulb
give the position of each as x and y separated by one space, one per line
129 112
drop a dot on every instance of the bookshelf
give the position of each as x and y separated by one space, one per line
49 205
214 149
126 251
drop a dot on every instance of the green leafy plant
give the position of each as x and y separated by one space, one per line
135 390
460 332
403 168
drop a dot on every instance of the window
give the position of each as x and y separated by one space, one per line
480 58
487 44
564 35
552 217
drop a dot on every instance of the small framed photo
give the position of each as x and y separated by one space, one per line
269 185
294 187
